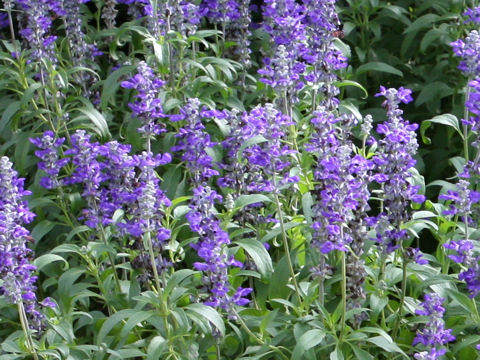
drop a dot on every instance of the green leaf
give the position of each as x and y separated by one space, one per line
378 66
360 354
259 255
424 21
133 320
336 354
111 321
343 83
41 229
28 94
111 84
463 300
244 200
277 230
96 118
386 344
156 348
176 279
308 340
8 113
209 314
445 119
47 259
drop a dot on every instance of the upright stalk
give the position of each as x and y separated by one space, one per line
402 296
465 126
344 290
26 330
285 243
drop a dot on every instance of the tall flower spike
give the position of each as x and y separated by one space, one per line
321 21
50 162
194 140
16 269
469 51
38 28
211 248
394 163
283 70
463 200
434 335
147 107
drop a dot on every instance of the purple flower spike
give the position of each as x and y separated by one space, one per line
148 107
50 161
394 163
433 335
16 270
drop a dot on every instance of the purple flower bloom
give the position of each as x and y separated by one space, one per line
283 21
433 334
472 103
220 11
394 163
469 51
50 163
37 30
148 107
473 15
321 21
211 248
194 141
16 270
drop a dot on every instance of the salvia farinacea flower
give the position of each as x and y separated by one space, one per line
194 140
469 52
148 106
50 162
211 248
16 269
433 335
394 162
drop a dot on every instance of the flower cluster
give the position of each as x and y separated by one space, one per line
213 240
434 335
50 161
321 20
473 15
472 104
469 51
148 107
269 158
37 30
194 141
184 16
211 247
462 201
220 11
282 71
394 163
16 269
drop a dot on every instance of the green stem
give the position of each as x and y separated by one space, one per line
112 260
285 244
402 296
344 292
26 330
217 347
321 285
257 339
465 126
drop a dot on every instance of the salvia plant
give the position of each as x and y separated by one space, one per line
235 179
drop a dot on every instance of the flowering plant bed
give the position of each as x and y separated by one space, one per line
239 180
